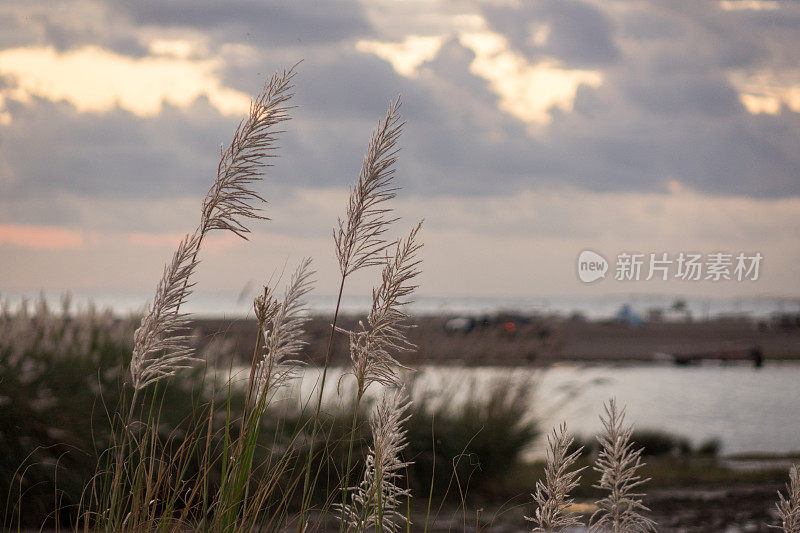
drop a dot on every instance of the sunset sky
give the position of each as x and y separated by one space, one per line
535 130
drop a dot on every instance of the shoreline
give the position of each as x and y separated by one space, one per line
520 340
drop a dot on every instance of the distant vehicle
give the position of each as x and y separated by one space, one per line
460 325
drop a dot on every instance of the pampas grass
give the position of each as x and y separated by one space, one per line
231 200
372 348
375 502
552 496
618 463
359 237
360 242
160 344
789 505
160 347
281 325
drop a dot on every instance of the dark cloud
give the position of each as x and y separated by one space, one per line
579 33
666 109
676 96
257 22
126 26
50 148
68 24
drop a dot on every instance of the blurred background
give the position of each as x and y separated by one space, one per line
535 130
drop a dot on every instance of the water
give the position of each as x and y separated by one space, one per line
592 307
749 410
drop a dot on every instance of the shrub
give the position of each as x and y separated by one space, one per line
457 445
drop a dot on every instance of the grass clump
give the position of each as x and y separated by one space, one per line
222 462
48 358
455 441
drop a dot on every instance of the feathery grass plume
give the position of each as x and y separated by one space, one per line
359 237
371 348
231 198
789 505
618 461
552 497
160 347
282 326
375 502
359 240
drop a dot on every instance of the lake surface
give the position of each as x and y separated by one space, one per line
749 410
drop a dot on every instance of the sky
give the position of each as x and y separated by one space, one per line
535 130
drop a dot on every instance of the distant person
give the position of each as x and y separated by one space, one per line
758 356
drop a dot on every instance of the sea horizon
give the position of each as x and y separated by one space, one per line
591 307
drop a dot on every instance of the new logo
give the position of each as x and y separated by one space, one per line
591 266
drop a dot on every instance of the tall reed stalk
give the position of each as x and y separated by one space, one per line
161 346
371 347
281 328
359 242
151 484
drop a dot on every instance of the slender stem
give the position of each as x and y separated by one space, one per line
251 381
120 462
307 492
246 416
346 482
379 493
433 472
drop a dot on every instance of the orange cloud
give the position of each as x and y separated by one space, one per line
40 237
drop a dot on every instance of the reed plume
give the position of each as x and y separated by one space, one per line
789 505
618 463
359 240
160 342
359 237
371 348
375 502
231 199
281 324
552 497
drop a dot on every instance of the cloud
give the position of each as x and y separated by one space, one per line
49 149
40 237
407 55
526 91
93 79
256 22
576 32
499 98
524 243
